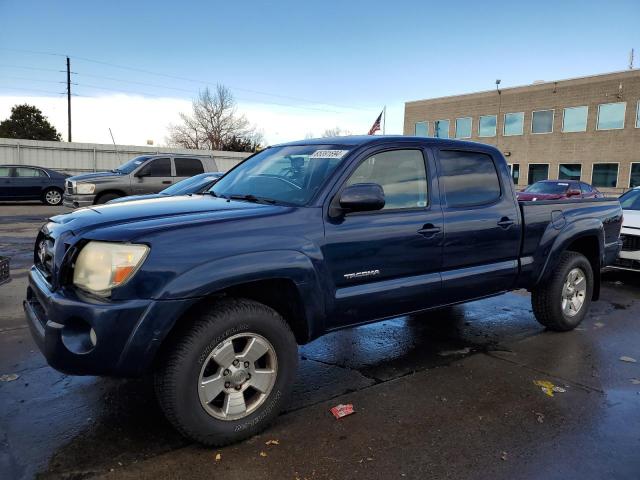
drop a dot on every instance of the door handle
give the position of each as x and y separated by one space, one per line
505 222
166 182
429 230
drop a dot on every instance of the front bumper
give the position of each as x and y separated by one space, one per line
127 333
77 201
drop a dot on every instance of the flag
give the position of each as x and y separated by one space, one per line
376 125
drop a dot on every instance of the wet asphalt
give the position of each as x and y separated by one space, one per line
448 394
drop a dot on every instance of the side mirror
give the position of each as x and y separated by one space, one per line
573 192
142 173
362 197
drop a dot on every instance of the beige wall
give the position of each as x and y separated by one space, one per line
586 148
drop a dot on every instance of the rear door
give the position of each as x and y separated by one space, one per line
28 182
386 262
187 167
153 176
481 225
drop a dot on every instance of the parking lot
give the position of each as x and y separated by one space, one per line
448 394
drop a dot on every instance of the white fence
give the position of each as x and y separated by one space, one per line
76 158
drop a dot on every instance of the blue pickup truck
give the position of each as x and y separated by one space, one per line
212 293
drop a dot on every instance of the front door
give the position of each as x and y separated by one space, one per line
481 225
387 262
153 176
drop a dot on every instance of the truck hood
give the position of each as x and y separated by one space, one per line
631 219
526 196
141 216
93 176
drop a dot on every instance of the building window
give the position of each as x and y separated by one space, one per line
638 115
513 123
611 115
634 177
570 171
542 121
605 175
575 119
487 126
463 127
441 129
422 129
537 172
515 172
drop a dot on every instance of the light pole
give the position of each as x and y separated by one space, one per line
498 116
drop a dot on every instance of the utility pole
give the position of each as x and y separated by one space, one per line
631 60
498 116
69 96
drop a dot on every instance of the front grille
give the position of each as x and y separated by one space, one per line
43 255
630 243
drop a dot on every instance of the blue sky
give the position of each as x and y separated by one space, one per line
335 61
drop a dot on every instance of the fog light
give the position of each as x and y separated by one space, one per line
92 337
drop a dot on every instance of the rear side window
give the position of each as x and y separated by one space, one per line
400 173
160 167
5 171
29 172
188 167
469 178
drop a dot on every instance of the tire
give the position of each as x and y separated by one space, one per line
178 386
105 197
550 305
52 197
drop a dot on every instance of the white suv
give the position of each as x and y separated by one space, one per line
629 258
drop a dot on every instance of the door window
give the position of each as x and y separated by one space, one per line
469 178
188 167
28 172
400 173
160 167
5 171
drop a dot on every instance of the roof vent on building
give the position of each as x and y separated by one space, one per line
536 82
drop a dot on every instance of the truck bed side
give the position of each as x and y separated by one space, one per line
590 227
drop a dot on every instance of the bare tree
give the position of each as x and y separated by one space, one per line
214 123
335 132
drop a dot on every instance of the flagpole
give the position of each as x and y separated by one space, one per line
384 120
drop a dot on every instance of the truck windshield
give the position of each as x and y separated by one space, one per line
630 200
287 174
548 187
131 165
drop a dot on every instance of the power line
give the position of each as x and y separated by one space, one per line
187 79
33 68
32 90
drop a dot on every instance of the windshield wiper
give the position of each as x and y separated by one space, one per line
252 198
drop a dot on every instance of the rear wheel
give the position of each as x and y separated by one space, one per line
228 377
52 196
563 301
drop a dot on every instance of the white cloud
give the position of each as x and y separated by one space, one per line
135 119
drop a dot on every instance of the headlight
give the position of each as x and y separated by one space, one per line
102 266
85 188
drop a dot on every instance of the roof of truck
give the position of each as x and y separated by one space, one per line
360 140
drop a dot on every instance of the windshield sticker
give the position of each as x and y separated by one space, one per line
564 184
329 154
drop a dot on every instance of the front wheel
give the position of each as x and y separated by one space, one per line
563 301
228 377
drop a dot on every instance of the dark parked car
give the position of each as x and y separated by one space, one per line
213 293
26 182
559 190
196 184
139 176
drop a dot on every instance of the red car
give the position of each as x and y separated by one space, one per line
559 190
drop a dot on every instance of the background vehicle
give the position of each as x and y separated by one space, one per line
196 184
559 190
26 182
140 175
629 257
214 292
